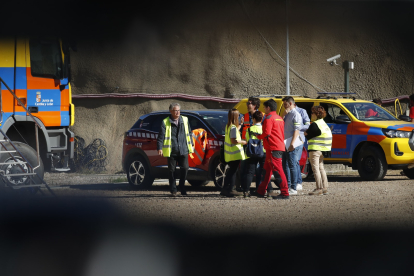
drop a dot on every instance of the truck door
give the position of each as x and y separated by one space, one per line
44 72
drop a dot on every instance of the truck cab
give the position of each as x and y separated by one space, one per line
36 101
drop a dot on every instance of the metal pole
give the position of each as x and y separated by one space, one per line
287 51
345 66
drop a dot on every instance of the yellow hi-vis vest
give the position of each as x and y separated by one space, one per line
322 142
166 147
232 152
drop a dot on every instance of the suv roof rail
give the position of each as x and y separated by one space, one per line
279 96
328 95
336 93
167 111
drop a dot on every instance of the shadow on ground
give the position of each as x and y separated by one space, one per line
88 237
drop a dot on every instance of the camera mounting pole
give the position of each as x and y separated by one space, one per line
346 65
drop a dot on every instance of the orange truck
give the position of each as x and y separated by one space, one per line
36 107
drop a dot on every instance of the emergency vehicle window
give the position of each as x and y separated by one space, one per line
369 112
332 111
195 123
146 123
306 106
152 123
155 122
45 58
137 124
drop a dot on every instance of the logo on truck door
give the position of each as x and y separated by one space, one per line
38 97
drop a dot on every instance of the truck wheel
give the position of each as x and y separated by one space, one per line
198 183
372 164
409 173
31 156
218 173
138 173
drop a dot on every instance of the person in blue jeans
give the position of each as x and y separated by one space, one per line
304 126
293 122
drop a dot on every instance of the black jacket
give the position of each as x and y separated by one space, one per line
179 141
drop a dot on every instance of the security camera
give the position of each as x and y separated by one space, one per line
332 60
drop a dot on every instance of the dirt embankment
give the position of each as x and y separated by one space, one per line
237 50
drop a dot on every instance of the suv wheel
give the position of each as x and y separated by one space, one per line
138 173
372 164
409 173
218 173
198 183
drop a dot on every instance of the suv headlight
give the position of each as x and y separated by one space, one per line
396 133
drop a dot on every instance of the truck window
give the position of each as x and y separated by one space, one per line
45 58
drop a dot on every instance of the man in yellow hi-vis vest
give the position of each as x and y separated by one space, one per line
174 142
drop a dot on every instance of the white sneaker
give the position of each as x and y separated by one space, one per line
292 192
299 187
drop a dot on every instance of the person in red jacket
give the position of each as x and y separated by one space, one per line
273 141
372 113
412 108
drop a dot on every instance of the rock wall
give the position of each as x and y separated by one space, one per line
235 49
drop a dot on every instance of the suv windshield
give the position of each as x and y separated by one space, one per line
369 112
217 121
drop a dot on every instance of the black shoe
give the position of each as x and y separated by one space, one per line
280 197
260 196
246 194
183 193
225 193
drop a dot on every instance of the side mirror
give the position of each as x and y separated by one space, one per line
404 118
342 119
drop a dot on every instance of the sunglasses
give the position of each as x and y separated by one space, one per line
249 103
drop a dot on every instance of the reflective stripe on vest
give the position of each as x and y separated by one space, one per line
232 152
199 137
166 147
322 142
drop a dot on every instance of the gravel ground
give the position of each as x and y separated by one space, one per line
97 225
351 204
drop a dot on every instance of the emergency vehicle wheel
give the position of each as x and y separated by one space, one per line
12 168
198 183
372 165
409 173
218 173
138 173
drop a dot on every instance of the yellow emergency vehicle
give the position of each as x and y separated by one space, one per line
366 136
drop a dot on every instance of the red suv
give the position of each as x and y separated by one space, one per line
140 158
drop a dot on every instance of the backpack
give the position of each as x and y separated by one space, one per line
254 147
